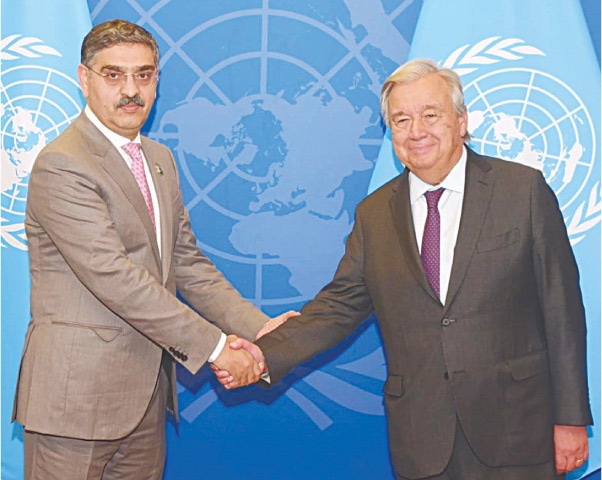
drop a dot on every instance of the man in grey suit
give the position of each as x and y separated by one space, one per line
109 247
486 354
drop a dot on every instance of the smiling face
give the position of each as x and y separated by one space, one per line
104 99
427 134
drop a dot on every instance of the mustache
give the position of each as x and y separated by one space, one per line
127 100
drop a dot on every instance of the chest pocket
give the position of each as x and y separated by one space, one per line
499 241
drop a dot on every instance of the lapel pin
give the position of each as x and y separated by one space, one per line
158 169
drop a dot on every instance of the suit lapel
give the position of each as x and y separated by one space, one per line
477 195
112 162
157 168
401 211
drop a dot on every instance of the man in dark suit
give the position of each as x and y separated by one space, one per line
109 243
485 348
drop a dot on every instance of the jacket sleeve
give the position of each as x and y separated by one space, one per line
326 320
562 305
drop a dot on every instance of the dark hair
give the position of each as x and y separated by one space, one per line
115 32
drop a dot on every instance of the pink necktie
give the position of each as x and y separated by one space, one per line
430 252
133 150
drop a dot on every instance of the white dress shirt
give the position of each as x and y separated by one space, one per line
450 211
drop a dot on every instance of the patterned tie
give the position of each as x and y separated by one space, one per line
133 150
430 252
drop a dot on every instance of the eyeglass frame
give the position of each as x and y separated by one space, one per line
123 75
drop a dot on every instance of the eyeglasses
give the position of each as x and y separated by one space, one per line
117 77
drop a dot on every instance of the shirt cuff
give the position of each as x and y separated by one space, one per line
218 348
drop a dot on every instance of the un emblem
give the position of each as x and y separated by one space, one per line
531 117
270 192
37 104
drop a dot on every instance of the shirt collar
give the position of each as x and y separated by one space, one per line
454 181
117 140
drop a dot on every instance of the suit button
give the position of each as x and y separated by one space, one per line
446 322
172 350
184 357
446 376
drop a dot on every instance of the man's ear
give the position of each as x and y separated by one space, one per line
83 74
463 124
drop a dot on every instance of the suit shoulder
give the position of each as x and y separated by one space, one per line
505 169
385 190
499 164
69 139
380 196
152 145
69 147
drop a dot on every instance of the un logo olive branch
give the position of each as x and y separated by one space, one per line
466 59
14 47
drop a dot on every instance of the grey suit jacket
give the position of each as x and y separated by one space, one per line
505 354
103 304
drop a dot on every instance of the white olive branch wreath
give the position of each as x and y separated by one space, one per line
16 46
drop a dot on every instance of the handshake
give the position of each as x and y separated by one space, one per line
241 362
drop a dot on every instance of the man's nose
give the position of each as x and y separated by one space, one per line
417 127
129 86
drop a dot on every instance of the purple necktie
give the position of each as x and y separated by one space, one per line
430 252
133 150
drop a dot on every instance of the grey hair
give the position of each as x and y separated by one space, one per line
415 70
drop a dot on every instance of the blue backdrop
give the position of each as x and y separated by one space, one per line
271 109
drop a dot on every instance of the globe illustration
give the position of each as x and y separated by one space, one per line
533 118
33 113
275 130
271 195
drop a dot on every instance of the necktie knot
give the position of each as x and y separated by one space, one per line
433 197
133 150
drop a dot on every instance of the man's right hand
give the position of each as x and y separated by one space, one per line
225 377
239 363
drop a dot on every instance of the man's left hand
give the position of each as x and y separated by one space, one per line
276 322
571 447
